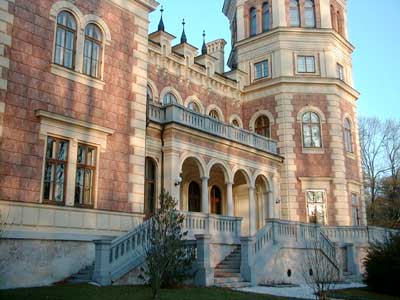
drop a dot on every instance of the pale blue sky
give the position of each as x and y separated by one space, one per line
376 62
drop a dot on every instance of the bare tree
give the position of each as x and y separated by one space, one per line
319 273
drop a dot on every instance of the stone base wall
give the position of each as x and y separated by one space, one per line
29 263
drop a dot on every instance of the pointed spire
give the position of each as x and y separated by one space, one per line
204 48
161 26
183 37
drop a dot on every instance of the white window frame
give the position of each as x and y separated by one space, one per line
324 204
264 64
340 72
307 59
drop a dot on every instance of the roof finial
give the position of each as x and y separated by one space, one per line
204 48
183 37
161 26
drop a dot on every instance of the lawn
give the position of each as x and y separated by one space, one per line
88 292
361 294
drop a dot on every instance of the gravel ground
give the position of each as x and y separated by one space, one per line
302 291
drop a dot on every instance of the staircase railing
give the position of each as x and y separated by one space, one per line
359 234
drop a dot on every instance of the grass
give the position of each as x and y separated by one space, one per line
361 294
88 292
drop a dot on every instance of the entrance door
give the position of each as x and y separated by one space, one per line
150 188
194 197
216 201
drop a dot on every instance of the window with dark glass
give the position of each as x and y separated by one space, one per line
253 21
150 187
355 210
92 51
348 138
169 98
294 13
193 106
262 126
316 207
235 123
309 13
340 72
214 114
311 130
216 200
194 197
305 64
55 171
266 17
261 69
65 44
85 175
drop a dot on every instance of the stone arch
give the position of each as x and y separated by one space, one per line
170 89
245 172
199 162
195 99
258 114
311 108
236 117
100 22
224 166
212 107
264 197
67 5
154 89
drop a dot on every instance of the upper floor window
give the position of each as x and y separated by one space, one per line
214 114
65 47
149 94
266 17
261 69
340 72
294 13
339 19
355 204
235 122
253 21
169 98
305 64
85 175
309 13
311 125
333 18
193 106
262 126
348 138
55 171
92 51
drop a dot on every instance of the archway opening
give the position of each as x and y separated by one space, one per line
191 185
241 200
217 189
263 198
150 192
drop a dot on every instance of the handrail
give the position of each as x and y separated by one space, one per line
175 113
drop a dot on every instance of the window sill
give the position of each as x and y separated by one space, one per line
313 151
351 155
77 77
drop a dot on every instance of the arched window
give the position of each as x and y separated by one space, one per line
169 98
92 51
294 13
311 130
150 187
262 126
193 106
214 114
216 200
236 123
348 138
149 95
309 13
194 197
65 47
266 17
253 21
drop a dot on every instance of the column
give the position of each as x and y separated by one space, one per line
271 213
252 211
204 196
229 188
247 270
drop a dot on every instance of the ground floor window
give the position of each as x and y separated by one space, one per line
85 175
355 210
316 207
216 200
194 197
150 187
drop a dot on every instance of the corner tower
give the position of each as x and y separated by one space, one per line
297 58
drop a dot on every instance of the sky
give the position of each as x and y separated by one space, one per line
372 31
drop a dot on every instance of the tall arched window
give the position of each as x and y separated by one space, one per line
169 98
194 197
150 187
92 51
65 47
266 17
348 138
311 130
149 95
262 126
253 21
216 200
294 13
235 122
193 106
214 114
309 13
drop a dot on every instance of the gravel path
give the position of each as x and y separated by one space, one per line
302 291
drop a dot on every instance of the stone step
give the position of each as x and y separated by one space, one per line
233 285
227 270
226 275
228 265
226 280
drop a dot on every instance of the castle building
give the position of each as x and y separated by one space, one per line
97 117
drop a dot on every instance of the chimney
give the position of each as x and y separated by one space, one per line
217 49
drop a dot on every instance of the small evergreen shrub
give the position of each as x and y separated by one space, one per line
382 266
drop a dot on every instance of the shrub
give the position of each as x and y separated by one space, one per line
382 266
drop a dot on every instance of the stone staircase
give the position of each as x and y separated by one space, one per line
83 276
227 273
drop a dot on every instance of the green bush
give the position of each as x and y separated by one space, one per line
382 266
